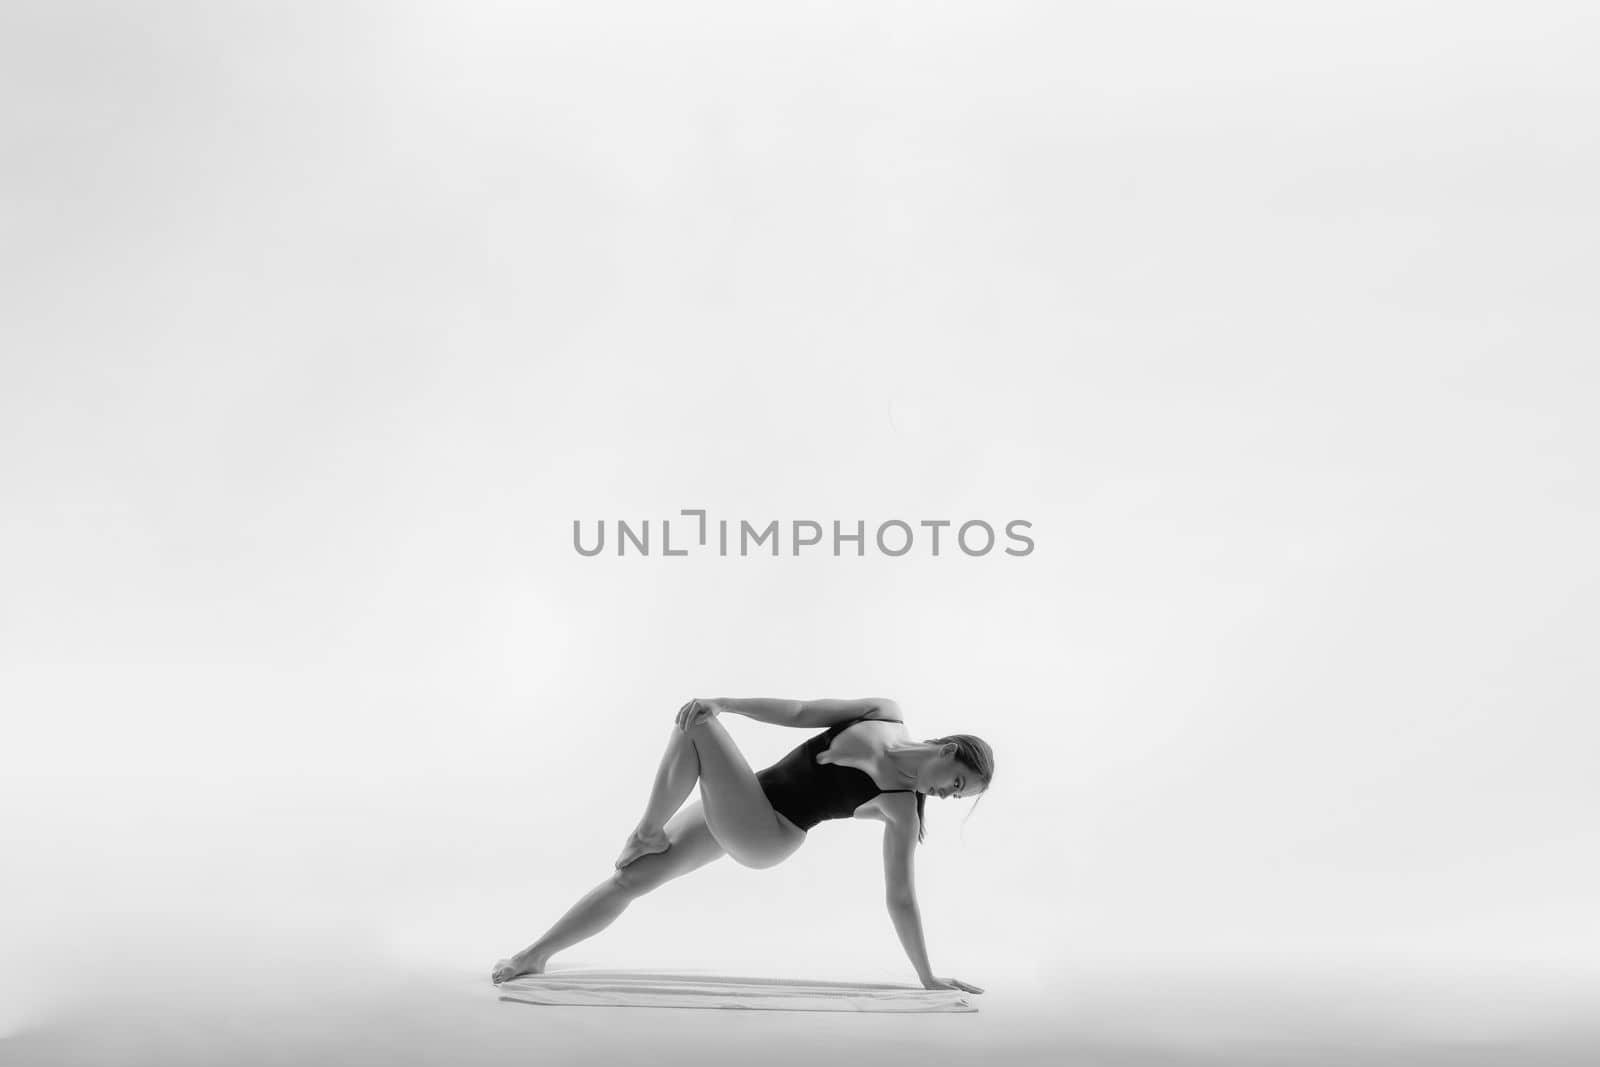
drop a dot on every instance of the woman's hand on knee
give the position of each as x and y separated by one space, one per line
697 711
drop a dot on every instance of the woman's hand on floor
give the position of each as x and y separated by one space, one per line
697 711
950 983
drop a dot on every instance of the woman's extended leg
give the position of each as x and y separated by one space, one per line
692 847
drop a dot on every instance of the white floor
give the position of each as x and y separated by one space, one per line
1088 1017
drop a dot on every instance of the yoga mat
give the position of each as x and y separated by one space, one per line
654 989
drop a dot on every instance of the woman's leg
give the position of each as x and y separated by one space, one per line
736 807
693 846
675 780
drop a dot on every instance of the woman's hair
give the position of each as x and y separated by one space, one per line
975 753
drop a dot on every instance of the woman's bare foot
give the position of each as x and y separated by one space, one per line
642 843
516 967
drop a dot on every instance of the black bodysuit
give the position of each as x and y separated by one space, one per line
807 792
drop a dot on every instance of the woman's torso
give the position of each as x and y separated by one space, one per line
855 787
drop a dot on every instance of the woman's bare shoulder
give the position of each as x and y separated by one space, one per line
900 807
890 807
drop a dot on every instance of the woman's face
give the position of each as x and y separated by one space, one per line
946 776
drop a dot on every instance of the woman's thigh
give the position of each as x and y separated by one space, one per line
736 807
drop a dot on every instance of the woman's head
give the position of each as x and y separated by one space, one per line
963 766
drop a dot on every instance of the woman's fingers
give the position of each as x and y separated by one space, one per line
693 712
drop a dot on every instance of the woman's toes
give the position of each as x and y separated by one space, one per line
516 967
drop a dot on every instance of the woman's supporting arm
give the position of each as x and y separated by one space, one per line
807 714
908 924
899 848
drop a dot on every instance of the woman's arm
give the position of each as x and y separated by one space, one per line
761 709
908 924
899 847
807 714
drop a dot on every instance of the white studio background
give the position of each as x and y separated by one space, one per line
325 321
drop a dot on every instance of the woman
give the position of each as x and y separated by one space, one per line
865 765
